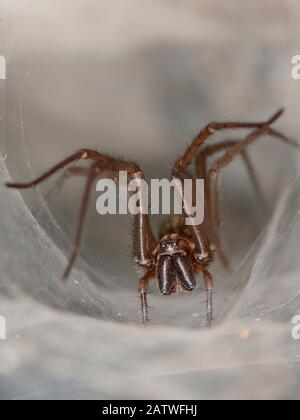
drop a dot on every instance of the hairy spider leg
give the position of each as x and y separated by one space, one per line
213 127
228 157
144 241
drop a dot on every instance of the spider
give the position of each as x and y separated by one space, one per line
182 251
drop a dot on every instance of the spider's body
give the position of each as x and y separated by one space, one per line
176 259
182 251
175 264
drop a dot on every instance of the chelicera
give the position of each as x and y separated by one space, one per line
181 252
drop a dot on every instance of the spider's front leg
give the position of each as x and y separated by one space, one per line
143 286
213 127
202 253
85 154
239 148
143 245
211 194
201 171
209 284
144 241
209 290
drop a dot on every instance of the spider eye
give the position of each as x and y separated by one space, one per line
168 244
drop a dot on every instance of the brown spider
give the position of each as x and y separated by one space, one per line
182 251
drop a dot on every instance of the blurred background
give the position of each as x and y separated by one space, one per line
139 80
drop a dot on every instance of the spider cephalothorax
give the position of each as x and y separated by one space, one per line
182 251
175 264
